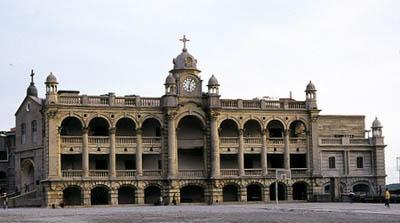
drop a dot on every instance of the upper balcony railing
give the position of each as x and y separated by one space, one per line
108 100
283 104
344 141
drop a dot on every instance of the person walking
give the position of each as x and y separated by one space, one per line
387 198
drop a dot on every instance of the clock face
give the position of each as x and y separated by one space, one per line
189 84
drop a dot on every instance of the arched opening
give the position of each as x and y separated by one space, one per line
152 195
27 176
98 127
99 195
3 182
190 145
254 192
299 191
297 129
151 134
72 196
125 127
361 189
275 129
229 138
126 195
192 194
230 193
281 191
71 126
252 138
125 133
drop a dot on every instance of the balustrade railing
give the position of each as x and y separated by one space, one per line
98 173
252 140
72 173
226 103
273 104
125 101
126 173
253 172
359 141
251 104
150 102
125 140
191 173
71 139
344 141
298 171
229 140
152 173
99 140
151 140
229 172
277 140
70 100
298 140
297 105
108 100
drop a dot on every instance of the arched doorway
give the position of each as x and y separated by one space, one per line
99 195
151 131
72 196
281 191
192 194
299 191
27 176
230 193
126 195
152 195
361 188
229 137
254 192
190 145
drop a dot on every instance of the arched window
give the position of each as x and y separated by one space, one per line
23 133
34 131
332 162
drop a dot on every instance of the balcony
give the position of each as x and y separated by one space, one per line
252 140
190 143
99 140
191 173
126 173
99 173
298 141
253 172
125 141
299 171
151 141
343 141
72 173
152 173
276 141
229 172
229 141
108 100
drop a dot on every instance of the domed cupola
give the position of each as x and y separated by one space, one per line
170 79
185 60
310 87
213 81
51 79
376 123
32 90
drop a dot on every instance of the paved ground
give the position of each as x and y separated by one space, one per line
289 212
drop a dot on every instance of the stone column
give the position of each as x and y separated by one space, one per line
172 150
139 196
241 153
264 153
286 159
215 161
54 164
112 153
85 152
113 196
139 152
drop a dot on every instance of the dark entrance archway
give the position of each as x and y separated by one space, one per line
192 194
230 193
99 195
300 191
72 196
152 195
254 192
126 195
361 188
281 191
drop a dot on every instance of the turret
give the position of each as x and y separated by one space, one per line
170 97
32 90
311 96
377 137
213 92
51 89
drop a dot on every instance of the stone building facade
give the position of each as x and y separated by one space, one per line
189 146
7 151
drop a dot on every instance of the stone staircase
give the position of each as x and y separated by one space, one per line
28 199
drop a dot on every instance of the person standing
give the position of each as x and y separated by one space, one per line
387 198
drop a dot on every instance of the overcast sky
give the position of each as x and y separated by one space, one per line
349 49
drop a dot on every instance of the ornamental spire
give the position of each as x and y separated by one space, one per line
184 40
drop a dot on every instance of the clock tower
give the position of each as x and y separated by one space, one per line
186 74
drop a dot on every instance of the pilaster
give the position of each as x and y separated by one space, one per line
85 152
241 153
264 159
215 159
139 153
286 160
112 153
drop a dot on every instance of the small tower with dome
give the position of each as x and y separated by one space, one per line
32 90
51 89
213 92
311 96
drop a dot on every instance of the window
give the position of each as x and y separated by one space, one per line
360 162
3 155
34 131
332 162
23 133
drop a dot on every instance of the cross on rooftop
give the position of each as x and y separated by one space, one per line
32 74
184 40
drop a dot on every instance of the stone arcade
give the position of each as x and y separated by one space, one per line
189 146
